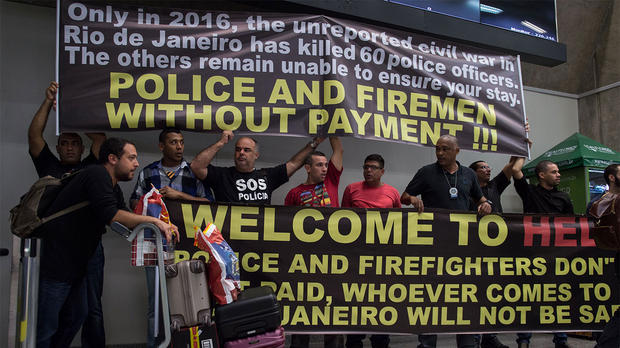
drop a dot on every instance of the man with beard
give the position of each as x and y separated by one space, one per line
544 198
174 179
243 182
70 240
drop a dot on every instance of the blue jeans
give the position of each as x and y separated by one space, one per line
376 341
151 340
62 308
93 332
558 337
462 341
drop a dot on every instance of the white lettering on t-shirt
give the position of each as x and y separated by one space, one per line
254 196
251 184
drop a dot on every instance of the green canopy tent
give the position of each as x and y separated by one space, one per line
581 161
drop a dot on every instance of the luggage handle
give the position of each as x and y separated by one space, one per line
130 235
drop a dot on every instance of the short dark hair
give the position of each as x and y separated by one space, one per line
611 169
112 146
72 135
376 158
474 166
542 166
165 131
308 159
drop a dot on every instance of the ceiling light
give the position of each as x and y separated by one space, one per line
534 27
490 9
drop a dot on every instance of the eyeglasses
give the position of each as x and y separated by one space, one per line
485 167
370 166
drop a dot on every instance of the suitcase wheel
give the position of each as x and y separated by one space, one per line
197 266
171 271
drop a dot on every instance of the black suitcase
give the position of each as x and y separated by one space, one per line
256 311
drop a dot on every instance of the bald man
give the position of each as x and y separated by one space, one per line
243 182
445 184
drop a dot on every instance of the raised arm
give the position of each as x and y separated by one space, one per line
97 139
298 159
36 143
204 158
337 151
518 164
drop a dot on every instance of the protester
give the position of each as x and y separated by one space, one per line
543 198
370 193
446 184
319 190
605 211
70 240
174 179
243 182
86 313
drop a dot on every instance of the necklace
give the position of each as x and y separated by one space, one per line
453 191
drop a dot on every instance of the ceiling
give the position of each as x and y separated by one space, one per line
584 27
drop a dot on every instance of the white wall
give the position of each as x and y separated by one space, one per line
27 66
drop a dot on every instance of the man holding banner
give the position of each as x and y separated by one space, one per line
448 185
70 149
543 198
370 193
243 182
319 190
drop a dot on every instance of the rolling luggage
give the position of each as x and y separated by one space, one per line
272 339
188 294
255 312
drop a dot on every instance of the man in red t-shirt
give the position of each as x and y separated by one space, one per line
321 187
319 190
371 193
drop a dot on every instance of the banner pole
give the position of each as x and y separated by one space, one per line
57 62
527 134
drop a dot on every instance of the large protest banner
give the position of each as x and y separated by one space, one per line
139 68
399 271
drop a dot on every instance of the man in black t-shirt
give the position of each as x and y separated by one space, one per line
492 189
243 182
70 149
70 240
543 198
448 185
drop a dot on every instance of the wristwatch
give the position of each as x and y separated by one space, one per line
313 144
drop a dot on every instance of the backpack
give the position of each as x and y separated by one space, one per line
31 211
